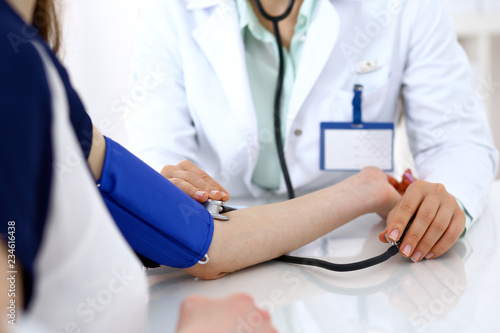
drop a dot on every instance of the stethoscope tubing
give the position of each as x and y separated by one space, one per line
279 87
393 250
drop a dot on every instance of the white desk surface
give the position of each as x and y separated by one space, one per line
458 292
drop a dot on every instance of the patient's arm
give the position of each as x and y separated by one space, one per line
252 235
262 233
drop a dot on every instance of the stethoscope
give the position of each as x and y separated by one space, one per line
217 208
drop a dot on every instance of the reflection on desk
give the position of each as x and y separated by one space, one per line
458 292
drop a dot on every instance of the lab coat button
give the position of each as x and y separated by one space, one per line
298 132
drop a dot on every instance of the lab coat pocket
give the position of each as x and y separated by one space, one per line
379 103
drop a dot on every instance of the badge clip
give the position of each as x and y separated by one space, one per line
356 106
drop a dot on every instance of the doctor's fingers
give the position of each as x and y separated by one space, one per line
429 224
409 204
437 224
194 181
450 236
445 227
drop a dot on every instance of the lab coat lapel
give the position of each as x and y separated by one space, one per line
321 38
220 41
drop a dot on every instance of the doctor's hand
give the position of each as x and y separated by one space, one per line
439 221
235 313
194 182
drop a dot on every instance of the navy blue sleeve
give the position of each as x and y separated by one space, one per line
80 120
25 149
26 143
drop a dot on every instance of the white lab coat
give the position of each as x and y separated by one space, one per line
191 97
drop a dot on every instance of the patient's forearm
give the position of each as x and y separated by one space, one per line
252 235
262 233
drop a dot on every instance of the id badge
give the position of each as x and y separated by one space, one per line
350 147
353 146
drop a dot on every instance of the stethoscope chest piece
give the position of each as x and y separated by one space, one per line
215 208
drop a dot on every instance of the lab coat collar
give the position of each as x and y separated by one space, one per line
321 38
219 38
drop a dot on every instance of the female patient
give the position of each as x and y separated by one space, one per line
78 271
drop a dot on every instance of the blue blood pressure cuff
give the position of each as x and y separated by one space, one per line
159 221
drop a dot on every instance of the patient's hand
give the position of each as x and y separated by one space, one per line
405 182
236 313
194 182
376 191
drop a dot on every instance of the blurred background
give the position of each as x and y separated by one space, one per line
98 39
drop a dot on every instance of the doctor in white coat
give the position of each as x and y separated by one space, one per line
203 89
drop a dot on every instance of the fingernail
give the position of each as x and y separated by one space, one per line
416 256
214 192
199 194
429 255
407 250
224 194
409 176
394 235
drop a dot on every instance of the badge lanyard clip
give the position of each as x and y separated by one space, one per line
356 106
